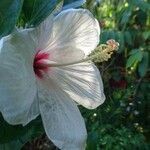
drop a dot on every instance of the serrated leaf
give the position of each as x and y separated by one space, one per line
130 61
9 13
146 35
126 16
144 64
135 57
133 51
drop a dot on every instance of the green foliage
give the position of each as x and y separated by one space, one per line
35 11
143 66
118 139
9 13
17 136
122 122
128 23
15 144
136 56
30 12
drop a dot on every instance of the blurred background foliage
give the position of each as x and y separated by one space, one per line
123 121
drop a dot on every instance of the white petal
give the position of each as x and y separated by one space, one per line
74 31
17 79
43 36
43 33
32 112
76 28
64 55
62 120
82 82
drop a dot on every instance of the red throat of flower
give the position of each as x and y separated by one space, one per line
39 64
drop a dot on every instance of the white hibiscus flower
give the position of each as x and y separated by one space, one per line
40 73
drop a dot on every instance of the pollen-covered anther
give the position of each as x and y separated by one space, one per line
113 44
104 51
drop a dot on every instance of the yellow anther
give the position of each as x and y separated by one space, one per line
104 51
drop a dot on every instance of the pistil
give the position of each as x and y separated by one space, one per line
100 54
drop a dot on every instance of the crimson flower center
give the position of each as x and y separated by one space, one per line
39 64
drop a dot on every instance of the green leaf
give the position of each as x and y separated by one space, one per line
145 6
143 66
112 35
133 51
121 39
72 3
135 57
107 35
126 16
128 37
35 11
9 13
104 36
92 141
146 35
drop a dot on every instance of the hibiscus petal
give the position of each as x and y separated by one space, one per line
66 54
82 82
42 34
32 112
17 79
76 28
75 31
62 120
